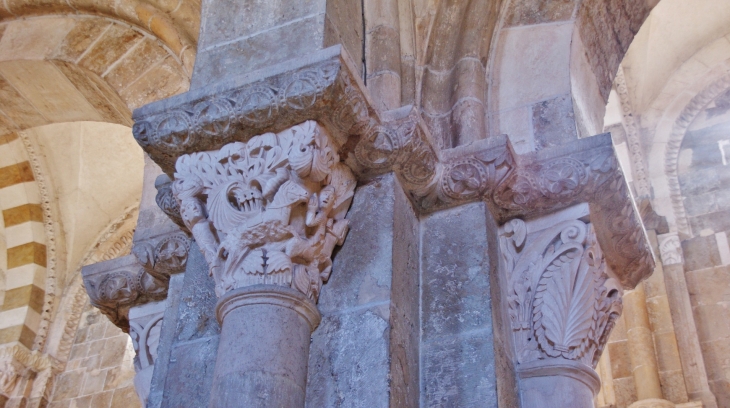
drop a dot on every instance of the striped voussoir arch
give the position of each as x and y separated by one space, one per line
20 201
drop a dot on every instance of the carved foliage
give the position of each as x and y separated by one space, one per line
269 211
555 183
670 249
561 301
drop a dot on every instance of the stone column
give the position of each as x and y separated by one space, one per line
693 364
641 351
562 303
267 215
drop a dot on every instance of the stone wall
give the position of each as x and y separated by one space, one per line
704 177
100 368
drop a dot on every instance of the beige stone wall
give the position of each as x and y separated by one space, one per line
100 369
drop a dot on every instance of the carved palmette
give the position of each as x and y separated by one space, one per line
562 303
268 211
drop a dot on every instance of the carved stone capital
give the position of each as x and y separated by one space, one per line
325 88
562 302
670 249
269 211
119 284
17 363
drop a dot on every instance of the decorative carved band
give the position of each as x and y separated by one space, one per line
269 211
117 285
561 301
325 88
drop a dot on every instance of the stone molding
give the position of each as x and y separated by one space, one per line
117 285
633 136
269 211
48 229
562 302
670 249
325 88
564 368
266 295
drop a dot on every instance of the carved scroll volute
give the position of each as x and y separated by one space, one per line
269 211
562 303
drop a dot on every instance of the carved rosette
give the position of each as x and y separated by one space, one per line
269 211
116 285
562 303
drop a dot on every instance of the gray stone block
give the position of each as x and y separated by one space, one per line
361 271
455 272
457 340
700 253
192 351
459 372
348 365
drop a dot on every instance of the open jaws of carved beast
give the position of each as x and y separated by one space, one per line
269 211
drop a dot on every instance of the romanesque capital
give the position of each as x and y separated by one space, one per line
119 284
268 211
18 364
562 303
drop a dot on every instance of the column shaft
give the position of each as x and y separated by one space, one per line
264 348
641 345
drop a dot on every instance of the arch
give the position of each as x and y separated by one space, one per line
64 68
175 23
670 115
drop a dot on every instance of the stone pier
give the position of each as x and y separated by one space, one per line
305 240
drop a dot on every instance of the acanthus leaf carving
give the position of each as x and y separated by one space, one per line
269 211
561 301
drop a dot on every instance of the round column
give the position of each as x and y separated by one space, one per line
264 347
641 351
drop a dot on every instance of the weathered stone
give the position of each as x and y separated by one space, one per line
553 122
700 253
